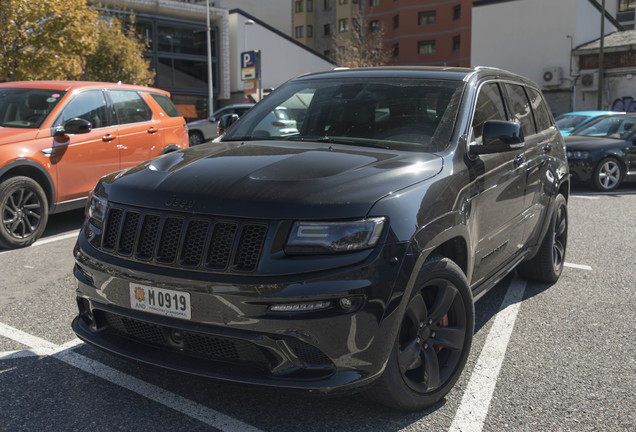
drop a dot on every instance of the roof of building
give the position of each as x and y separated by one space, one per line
618 41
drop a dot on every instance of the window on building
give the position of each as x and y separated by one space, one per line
299 5
396 21
456 43
426 18
326 4
310 5
343 25
457 12
374 3
327 53
310 31
396 50
326 29
374 26
342 2
299 31
426 47
625 5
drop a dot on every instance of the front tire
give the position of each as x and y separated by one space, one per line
607 175
547 265
24 212
433 341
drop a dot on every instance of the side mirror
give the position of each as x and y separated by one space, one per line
498 137
226 121
74 126
212 119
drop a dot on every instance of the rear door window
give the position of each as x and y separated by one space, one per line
540 110
520 108
166 104
129 107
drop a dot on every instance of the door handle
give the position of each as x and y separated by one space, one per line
153 130
108 137
547 148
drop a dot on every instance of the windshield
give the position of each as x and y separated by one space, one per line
413 114
608 127
26 108
569 122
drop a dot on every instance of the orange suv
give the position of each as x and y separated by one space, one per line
58 138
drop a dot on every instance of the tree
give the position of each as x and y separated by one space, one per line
67 40
119 54
360 46
45 39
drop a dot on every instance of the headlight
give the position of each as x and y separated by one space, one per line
578 155
333 237
96 209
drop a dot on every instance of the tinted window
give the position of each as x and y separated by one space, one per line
489 107
609 127
416 114
129 107
88 105
520 108
26 108
540 109
166 104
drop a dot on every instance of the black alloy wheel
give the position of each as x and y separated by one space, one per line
433 341
24 211
547 265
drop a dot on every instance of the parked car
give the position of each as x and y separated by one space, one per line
204 130
58 138
602 153
344 257
569 121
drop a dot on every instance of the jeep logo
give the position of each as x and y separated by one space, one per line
182 203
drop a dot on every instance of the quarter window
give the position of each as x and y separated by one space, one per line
166 104
489 107
129 107
89 105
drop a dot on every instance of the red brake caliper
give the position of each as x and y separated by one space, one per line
443 323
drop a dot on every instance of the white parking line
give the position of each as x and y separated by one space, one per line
577 266
473 408
46 241
178 403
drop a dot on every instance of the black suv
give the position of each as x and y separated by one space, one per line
346 256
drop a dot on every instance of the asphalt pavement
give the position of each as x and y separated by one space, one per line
558 357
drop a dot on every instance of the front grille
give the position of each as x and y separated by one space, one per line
183 240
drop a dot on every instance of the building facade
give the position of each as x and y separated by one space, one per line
520 36
178 47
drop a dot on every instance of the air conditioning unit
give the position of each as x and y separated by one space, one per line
551 76
589 80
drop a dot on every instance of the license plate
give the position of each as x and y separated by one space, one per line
160 301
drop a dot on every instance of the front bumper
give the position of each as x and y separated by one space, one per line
581 170
233 335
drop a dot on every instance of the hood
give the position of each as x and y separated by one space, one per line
574 142
11 135
271 179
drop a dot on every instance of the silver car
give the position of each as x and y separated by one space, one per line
203 130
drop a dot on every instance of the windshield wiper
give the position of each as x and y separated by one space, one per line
355 142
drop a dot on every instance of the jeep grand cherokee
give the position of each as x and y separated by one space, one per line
344 257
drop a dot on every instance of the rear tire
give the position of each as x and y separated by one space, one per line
433 341
24 212
196 138
547 264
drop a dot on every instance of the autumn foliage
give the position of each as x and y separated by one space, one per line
67 40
